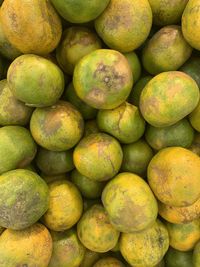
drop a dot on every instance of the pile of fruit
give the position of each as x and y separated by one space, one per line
100 133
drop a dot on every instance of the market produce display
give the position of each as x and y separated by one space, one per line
99 133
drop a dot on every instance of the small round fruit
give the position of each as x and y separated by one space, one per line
136 157
78 11
176 258
17 148
191 67
124 122
103 79
57 128
108 262
168 97
98 156
173 175
67 249
12 111
35 80
183 237
125 25
76 43
24 199
89 188
147 247
17 23
95 231
135 64
29 247
179 215
167 50
194 118
54 163
65 206
179 134
130 203
196 255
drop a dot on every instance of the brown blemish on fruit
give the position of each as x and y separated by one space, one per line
97 96
52 124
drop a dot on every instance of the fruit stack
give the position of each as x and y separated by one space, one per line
99 133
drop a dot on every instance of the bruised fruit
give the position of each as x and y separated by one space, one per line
26 202
12 111
95 231
35 80
178 134
136 157
125 25
87 111
183 237
176 258
53 162
17 24
76 43
67 249
196 255
129 202
65 206
124 122
89 188
180 215
168 97
191 23
17 148
98 156
167 12
103 79
108 262
29 247
167 50
58 127
145 248
78 11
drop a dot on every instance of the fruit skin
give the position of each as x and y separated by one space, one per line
175 258
18 28
190 23
138 200
18 148
145 248
6 48
168 98
134 97
89 188
98 156
135 64
67 249
196 255
43 78
167 50
124 122
194 118
29 247
191 67
103 79
167 12
91 127
76 43
58 127
124 26
179 215
70 10
173 175
87 111
179 134
24 198
12 111
65 206
90 258
108 262
51 178
195 147
136 157
183 237
54 163
95 231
